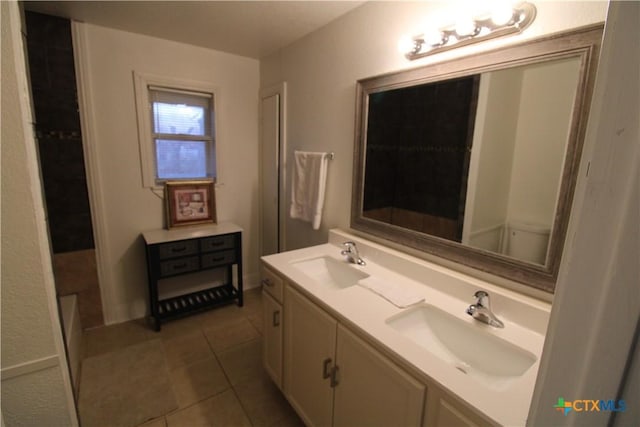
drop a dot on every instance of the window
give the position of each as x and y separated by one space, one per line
176 129
182 133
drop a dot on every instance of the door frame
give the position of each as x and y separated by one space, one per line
279 89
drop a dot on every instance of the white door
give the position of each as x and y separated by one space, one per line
272 169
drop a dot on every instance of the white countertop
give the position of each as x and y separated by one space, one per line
525 318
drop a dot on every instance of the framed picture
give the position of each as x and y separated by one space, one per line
190 203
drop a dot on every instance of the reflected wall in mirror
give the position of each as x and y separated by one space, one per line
475 159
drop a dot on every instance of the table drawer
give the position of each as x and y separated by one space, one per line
176 249
217 243
218 258
179 266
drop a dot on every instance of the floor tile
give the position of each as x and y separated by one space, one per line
222 410
257 322
265 405
186 349
198 381
243 362
253 300
158 422
125 387
179 327
230 333
220 316
213 366
90 307
115 337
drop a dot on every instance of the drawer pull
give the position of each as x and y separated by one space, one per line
217 259
182 249
180 266
276 318
326 371
220 243
267 282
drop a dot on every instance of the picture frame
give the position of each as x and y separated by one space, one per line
190 203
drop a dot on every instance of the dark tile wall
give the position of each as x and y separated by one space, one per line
53 80
55 99
418 146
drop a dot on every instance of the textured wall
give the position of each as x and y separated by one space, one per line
33 393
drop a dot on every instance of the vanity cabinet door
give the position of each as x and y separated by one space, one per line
272 339
444 411
371 390
310 343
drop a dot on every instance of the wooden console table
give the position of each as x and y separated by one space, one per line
188 250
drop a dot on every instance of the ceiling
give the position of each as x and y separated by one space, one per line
248 28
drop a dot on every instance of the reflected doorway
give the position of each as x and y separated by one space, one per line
272 169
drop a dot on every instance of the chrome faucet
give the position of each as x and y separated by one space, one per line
351 252
481 310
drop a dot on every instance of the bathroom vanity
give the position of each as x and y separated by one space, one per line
190 250
344 355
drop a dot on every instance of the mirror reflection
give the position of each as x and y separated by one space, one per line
476 159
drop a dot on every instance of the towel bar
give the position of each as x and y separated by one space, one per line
329 154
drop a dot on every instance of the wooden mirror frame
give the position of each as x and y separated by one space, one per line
584 44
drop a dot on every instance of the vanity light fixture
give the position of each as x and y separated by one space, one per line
499 22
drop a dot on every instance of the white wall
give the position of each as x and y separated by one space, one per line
520 139
125 209
321 71
547 99
36 389
494 143
522 143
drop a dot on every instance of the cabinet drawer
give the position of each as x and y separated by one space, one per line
176 249
218 258
178 266
217 243
272 283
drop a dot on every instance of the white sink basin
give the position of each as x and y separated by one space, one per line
330 272
467 346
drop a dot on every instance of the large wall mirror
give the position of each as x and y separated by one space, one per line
475 160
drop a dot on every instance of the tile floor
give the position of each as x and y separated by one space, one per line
214 364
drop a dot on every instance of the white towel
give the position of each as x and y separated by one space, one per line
308 187
393 293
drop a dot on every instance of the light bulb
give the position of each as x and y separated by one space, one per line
406 45
466 27
502 14
433 37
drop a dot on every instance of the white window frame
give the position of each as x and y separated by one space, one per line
142 82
